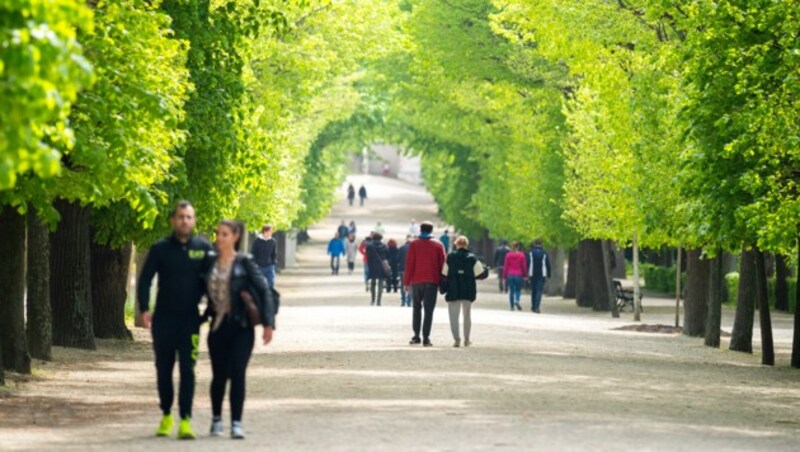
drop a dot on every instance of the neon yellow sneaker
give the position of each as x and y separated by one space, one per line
167 422
185 429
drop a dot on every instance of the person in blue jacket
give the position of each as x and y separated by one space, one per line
336 251
538 272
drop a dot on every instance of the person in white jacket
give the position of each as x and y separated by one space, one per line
351 250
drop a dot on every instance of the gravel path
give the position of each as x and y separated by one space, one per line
340 376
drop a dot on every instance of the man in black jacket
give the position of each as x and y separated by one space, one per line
538 272
179 260
265 253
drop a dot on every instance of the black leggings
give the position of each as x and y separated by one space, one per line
230 347
175 334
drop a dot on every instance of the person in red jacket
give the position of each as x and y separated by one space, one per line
424 264
515 270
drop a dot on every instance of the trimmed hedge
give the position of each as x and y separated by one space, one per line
732 283
661 279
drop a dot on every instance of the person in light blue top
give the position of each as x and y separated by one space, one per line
336 251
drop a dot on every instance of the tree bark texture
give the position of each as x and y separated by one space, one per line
695 308
12 287
742 334
618 269
714 317
570 289
40 320
555 284
781 286
70 278
796 337
767 348
593 282
109 273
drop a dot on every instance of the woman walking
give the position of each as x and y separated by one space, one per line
351 249
377 255
239 297
462 268
515 268
393 282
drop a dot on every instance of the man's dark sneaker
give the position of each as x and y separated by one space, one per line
415 341
427 343
519 308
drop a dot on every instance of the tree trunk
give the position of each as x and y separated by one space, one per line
40 321
695 308
570 289
618 269
796 337
141 257
109 272
767 348
637 303
12 286
610 297
742 334
714 317
593 276
555 284
678 287
70 280
781 286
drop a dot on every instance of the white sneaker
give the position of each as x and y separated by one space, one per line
237 432
216 427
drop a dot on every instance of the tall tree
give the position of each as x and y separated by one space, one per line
39 327
742 334
12 280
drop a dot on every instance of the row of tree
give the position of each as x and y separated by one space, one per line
115 109
585 122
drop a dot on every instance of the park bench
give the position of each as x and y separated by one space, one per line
625 297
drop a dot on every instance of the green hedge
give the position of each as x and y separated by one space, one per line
732 283
661 279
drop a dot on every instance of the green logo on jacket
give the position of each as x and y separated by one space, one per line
197 254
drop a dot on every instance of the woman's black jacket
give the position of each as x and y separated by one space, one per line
245 275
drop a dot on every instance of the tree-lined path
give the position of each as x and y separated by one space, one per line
339 376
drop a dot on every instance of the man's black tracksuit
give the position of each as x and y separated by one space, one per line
176 321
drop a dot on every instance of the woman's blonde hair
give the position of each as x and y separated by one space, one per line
462 242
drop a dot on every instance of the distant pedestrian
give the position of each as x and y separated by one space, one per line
538 273
377 258
515 269
265 253
445 239
499 261
351 194
351 229
380 229
392 283
413 228
402 253
462 268
422 273
362 194
336 251
351 250
343 231
362 248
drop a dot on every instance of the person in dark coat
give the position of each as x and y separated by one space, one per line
343 231
538 272
377 255
499 260
392 283
351 194
362 194
402 252
461 269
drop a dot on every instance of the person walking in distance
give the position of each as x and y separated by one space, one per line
265 253
379 228
351 194
423 269
461 269
362 194
239 299
362 248
538 273
499 261
179 261
377 259
392 282
515 269
336 251
445 239
402 254
343 231
351 250
351 229
413 228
